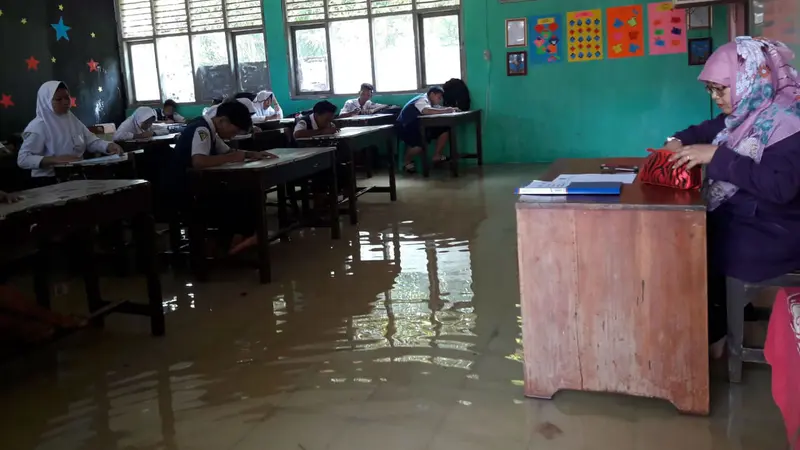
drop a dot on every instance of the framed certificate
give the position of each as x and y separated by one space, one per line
517 32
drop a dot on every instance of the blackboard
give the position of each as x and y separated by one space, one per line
253 76
213 82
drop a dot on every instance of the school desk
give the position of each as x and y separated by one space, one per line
290 166
356 139
365 120
155 142
263 140
613 291
69 212
103 168
451 121
277 124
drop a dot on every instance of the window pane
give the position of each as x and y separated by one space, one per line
312 60
251 62
442 49
145 72
350 55
395 57
213 75
175 67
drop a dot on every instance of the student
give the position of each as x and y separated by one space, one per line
169 113
425 104
363 104
243 100
201 145
318 123
137 126
267 107
56 136
214 102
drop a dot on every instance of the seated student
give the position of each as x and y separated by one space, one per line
56 136
214 102
201 145
243 100
137 126
169 113
318 123
425 104
363 104
248 95
267 106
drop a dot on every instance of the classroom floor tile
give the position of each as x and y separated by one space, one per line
402 335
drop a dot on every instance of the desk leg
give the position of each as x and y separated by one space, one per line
264 269
89 269
455 156
392 169
352 188
426 163
304 203
479 137
41 275
145 235
283 217
333 198
197 241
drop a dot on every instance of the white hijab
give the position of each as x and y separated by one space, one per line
64 134
212 111
261 97
142 115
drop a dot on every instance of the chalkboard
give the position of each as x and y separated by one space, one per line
213 82
253 76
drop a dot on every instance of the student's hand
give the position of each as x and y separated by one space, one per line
330 129
114 149
456 109
693 155
146 134
255 155
169 121
9 197
238 156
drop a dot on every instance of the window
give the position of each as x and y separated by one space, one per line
192 50
397 45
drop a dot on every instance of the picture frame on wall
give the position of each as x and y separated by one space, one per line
517 32
517 64
699 18
700 50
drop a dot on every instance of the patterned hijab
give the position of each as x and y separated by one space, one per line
765 93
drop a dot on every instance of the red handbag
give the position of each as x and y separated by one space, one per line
659 170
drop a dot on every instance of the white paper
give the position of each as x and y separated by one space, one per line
625 178
99 160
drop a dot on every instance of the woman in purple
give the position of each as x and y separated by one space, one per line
752 157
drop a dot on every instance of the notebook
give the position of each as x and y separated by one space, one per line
571 188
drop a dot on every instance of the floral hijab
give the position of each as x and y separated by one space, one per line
765 92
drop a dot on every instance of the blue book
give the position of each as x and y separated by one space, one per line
575 188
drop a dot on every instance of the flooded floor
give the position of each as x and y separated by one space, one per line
403 335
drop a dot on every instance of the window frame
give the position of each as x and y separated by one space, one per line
418 15
230 36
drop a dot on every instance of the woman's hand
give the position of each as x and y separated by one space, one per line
673 144
114 149
693 155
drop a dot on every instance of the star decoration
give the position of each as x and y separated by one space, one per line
53 59
93 65
1 13
60 7
33 63
23 21
61 29
73 102
6 101
100 89
92 34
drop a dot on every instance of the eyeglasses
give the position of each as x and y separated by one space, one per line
716 91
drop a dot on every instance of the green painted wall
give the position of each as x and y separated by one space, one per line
603 108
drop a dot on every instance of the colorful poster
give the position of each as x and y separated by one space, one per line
667 30
585 35
545 35
625 31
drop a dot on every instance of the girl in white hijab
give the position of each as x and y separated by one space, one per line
137 126
267 106
56 136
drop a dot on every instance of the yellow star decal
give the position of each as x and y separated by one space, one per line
1 13
23 21
92 35
53 59
100 89
60 7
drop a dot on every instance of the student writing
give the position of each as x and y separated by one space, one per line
137 126
363 104
318 123
267 106
423 105
56 136
168 113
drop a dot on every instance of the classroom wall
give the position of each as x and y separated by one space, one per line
781 21
26 31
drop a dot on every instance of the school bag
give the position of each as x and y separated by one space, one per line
456 94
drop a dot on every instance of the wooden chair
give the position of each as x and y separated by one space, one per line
739 294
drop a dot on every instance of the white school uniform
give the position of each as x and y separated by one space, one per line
201 141
132 126
269 111
301 124
50 134
354 105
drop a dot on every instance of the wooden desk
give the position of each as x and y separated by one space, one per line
282 124
365 120
152 143
72 210
451 121
291 165
613 291
123 168
354 139
263 140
